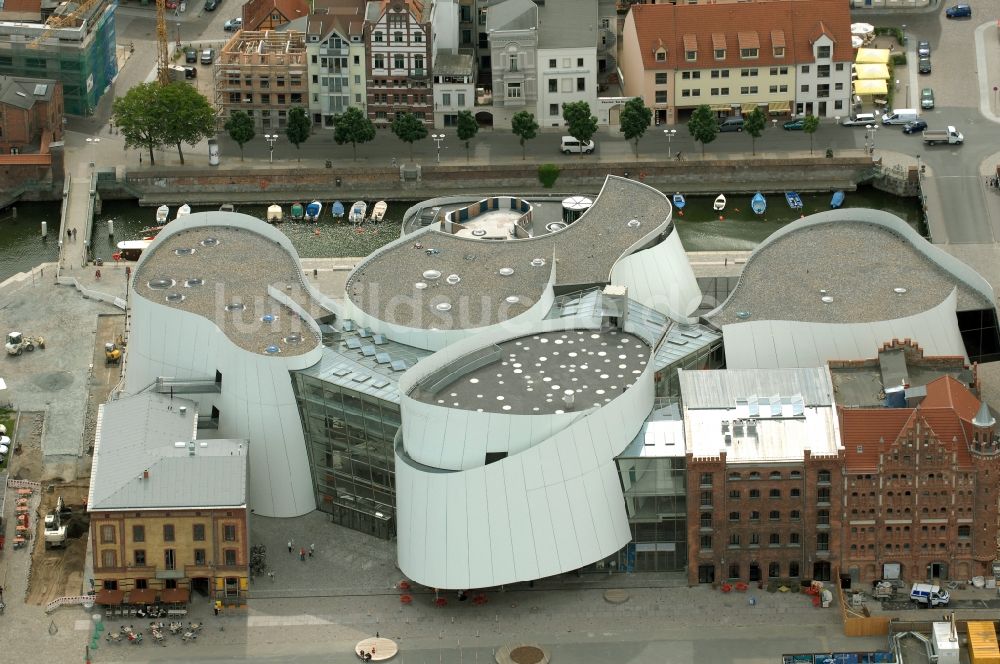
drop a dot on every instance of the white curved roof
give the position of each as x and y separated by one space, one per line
773 344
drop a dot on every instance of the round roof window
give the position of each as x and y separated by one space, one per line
272 349
443 306
210 242
633 223
174 297
236 306
420 285
160 284
431 274
537 262
191 283
453 279
268 318
184 251
512 299
506 271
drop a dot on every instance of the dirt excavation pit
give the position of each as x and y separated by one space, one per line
58 572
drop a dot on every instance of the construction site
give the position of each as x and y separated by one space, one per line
72 42
264 74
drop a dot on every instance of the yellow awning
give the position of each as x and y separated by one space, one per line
780 106
870 87
748 108
872 72
875 56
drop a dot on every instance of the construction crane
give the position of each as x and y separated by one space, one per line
162 49
65 20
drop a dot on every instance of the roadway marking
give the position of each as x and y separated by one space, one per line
286 621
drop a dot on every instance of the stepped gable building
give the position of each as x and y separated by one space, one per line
919 488
762 474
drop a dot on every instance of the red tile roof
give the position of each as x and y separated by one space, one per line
255 12
797 22
947 410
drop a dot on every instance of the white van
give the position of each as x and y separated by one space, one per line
925 593
900 116
570 144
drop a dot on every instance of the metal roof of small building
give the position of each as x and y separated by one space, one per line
453 64
23 92
143 458
722 388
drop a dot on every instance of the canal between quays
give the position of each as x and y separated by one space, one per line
700 227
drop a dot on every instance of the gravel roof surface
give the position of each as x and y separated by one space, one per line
535 371
858 264
384 285
236 270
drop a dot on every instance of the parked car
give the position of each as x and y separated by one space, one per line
923 48
211 5
208 56
232 25
570 144
860 120
190 72
958 11
190 55
927 98
734 123
924 65
913 126
794 125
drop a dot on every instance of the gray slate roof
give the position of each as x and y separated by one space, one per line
137 434
511 15
24 92
567 24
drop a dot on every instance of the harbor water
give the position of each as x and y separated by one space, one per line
700 227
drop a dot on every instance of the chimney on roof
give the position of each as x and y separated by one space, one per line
145 474
191 448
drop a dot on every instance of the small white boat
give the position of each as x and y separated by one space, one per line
227 207
358 211
720 203
378 211
313 210
275 214
162 214
183 211
130 250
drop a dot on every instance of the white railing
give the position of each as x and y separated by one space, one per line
69 601
24 484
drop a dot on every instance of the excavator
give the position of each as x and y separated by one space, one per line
55 529
112 354
17 343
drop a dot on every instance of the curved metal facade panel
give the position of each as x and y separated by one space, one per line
550 506
256 402
774 344
661 278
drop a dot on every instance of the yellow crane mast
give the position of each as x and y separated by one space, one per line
162 49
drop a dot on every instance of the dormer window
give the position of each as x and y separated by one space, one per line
778 43
749 45
779 51
749 53
690 48
720 54
661 55
822 51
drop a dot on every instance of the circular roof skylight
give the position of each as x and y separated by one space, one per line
443 306
272 349
174 297
420 285
191 283
184 251
537 262
506 271
160 284
453 279
210 242
432 274
633 223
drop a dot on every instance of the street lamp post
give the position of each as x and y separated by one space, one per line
438 138
92 142
870 138
669 133
271 138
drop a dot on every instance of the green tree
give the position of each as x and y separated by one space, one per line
467 129
703 126
754 125
135 115
580 124
635 119
409 128
810 124
353 126
239 126
525 128
186 116
298 128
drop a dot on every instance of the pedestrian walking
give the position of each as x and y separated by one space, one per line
312 550
69 233
290 542
271 575
302 554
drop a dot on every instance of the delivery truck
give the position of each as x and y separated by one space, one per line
949 135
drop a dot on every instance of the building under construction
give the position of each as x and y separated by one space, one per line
263 73
72 42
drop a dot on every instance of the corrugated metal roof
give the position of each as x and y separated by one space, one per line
139 434
721 389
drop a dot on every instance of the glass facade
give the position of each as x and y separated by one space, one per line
656 500
349 438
